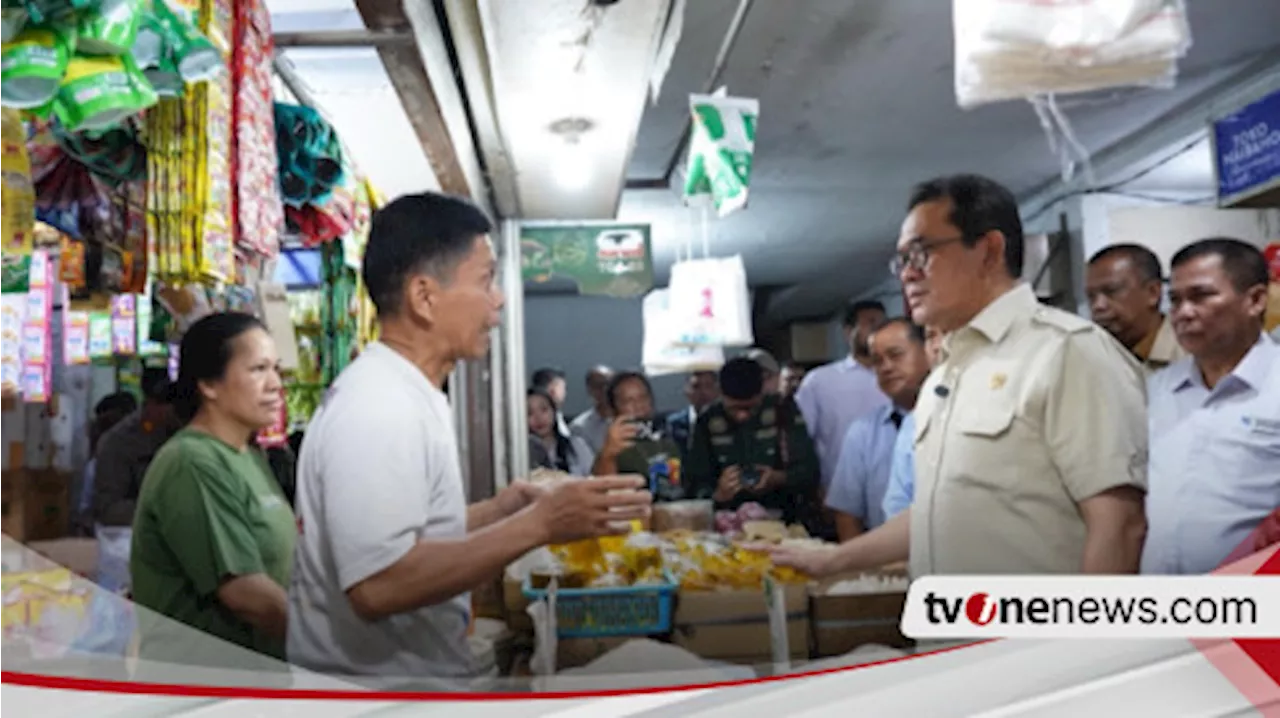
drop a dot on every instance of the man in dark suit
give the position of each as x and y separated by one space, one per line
702 389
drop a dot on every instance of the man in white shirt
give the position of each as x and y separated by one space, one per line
1214 416
388 547
593 424
835 395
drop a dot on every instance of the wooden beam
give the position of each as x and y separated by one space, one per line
403 63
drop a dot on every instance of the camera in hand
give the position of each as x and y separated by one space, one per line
750 476
647 429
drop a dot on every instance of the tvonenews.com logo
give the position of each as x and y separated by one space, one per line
983 609
1093 606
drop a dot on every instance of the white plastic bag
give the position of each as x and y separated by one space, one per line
661 354
710 304
1011 49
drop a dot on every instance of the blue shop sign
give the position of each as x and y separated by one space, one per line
1247 149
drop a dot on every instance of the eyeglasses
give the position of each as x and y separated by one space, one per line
917 254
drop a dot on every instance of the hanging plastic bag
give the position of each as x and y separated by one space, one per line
1013 49
710 304
661 355
721 147
114 544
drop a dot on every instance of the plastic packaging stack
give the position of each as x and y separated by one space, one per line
1013 49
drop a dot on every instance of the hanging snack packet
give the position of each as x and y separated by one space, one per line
720 150
32 67
195 57
19 194
110 28
99 92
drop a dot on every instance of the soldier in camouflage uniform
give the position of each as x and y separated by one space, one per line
753 446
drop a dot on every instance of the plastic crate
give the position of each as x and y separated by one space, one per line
621 611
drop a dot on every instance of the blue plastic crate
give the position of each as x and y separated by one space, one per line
621 611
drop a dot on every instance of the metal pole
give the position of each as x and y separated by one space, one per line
294 82
342 38
513 403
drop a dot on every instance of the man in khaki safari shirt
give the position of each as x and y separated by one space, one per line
1124 287
1031 440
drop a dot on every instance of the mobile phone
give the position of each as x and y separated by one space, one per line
750 476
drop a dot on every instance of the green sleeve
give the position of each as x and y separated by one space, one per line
203 518
698 468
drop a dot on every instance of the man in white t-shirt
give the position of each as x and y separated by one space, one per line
388 546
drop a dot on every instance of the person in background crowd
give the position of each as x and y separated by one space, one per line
857 491
636 444
791 378
1124 287
702 389
753 446
388 548
552 381
109 411
561 451
772 372
1215 415
1039 464
902 472
213 538
125 452
593 424
835 395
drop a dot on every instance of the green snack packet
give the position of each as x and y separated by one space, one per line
31 67
720 150
109 29
196 58
151 43
99 92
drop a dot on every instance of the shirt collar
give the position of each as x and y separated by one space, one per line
1164 348
850 364
1252 371
994 321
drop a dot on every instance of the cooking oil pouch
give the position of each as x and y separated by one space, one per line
195 56
100 92
19 195
110 28
63 11
32 66
721 148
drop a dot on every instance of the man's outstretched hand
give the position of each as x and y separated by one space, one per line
590 508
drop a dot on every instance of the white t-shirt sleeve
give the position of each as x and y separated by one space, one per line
377 484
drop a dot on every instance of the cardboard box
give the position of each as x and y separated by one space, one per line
733 626
36 504
846 622
78 554
518 621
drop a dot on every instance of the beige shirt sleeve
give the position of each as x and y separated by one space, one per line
1095 424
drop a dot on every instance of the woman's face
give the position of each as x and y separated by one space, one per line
249 391
542 418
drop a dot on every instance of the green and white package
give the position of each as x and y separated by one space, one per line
12 20
99 92
110 28
721 147
196 58
32 66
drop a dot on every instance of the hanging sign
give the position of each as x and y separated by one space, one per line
604 259
1246 147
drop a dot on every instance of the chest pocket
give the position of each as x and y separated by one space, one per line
990 421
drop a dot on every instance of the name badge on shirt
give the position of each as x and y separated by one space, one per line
1259 425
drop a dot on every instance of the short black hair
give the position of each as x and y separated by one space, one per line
121 403
425 232
979 205
915 332
621 378
206 349
156 386
543 377
854 310
1243 263
742 379
1144 260
533 391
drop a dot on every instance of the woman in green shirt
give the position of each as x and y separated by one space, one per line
213 535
